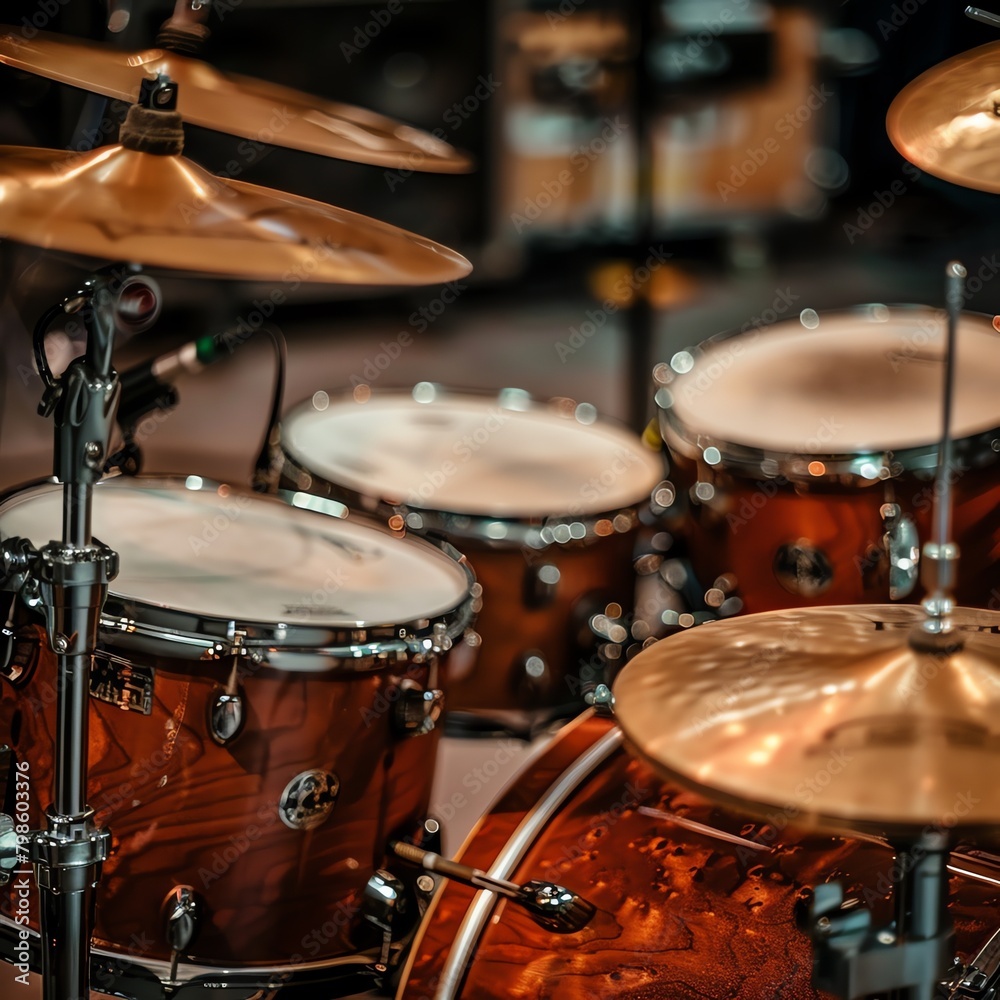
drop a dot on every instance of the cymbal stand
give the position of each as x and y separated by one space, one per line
69 581
185 30
983 16
914 953
940 555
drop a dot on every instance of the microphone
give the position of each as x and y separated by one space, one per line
149 386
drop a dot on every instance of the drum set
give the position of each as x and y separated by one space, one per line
221 709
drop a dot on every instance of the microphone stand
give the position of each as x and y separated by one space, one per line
70 580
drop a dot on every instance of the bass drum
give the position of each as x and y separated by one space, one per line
257 726
680 913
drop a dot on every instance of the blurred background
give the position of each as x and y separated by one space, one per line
649 174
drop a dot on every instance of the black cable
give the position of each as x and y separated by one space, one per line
38 343
262 480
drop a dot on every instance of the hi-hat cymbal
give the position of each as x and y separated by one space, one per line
239 105
826 717
947 120
166 211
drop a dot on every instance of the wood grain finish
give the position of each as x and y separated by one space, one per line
680 914
590 576
742 528
184 810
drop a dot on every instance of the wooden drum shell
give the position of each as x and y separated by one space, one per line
184 810
742 528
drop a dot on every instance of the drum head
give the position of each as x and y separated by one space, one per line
465 454
841 383
218 552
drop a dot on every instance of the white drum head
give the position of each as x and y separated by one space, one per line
471 455
250 558
849 382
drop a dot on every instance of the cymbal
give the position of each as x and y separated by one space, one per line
826 717
240 105
946 120
166 211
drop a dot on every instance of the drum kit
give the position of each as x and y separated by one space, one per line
236 697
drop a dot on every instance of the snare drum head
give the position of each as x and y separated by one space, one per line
842 383
465 454
224 553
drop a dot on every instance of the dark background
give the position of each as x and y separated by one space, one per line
530 289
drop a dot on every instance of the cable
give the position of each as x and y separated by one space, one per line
262 480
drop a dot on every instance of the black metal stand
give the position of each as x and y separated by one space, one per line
915 953
641 316
71 579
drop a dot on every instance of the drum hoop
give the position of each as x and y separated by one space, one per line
229 975
521 840
855 469
494 532
171 632
537 532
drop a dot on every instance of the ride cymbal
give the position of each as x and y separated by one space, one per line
238 105
947 120
166 211
826 717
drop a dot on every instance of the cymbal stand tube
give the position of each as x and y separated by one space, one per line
185 30
955 289
940 554
983 16
72 578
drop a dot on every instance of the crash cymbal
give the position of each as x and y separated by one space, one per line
826 717
239 105
166 211
946 120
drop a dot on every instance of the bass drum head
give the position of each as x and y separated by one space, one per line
505 457
839 383
215 551
682 913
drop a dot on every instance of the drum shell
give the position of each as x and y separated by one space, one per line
184 810
787 442
518 618
679 915
515 623
745 524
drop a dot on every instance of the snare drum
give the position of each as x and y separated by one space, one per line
681 914
804 455
261 714
542 498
